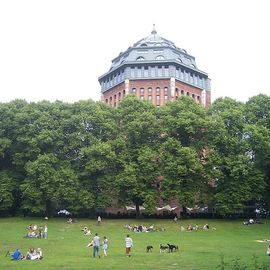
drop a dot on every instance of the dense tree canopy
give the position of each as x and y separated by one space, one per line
87 156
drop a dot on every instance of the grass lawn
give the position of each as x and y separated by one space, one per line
66 249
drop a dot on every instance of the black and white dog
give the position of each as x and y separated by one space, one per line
149 248
172 247
163 248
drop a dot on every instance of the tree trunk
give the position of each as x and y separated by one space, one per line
138 213
48 208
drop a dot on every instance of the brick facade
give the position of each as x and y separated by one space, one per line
157 91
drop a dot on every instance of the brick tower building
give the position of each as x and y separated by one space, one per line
155 69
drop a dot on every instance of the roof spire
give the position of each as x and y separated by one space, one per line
154 30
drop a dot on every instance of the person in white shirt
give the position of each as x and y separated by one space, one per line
45 232
129 245
99 220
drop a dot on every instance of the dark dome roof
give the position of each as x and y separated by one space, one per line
154 48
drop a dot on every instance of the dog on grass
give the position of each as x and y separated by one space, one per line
163 248
172 248
149 248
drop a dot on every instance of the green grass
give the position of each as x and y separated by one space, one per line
66 249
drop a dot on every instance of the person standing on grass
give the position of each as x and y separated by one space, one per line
96 244
99 220
129 245
45 232
105 246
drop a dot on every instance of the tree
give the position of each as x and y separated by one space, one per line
237 180
7 189
52 185
182 172
137 144
257 115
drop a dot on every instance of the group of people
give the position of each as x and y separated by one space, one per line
196 227
95 243
140 228
32 254
252 221
34 231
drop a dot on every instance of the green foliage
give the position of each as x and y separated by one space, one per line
182 171
7 188
87 155
52 185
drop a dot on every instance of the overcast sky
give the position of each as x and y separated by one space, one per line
56 50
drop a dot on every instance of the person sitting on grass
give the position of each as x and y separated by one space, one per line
206 227
16 255
268 251
33 254
70 221
86 231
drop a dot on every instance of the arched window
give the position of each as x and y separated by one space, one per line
142 91
134 90
193 96
140 58
149 91
119 95
182 92
187 93
160 57
158 90
143 45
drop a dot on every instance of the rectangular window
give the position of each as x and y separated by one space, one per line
152 72
166 71
139 72
146 72
132 72
160 72
158 51
142 51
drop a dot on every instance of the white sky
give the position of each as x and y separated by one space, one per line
57 49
